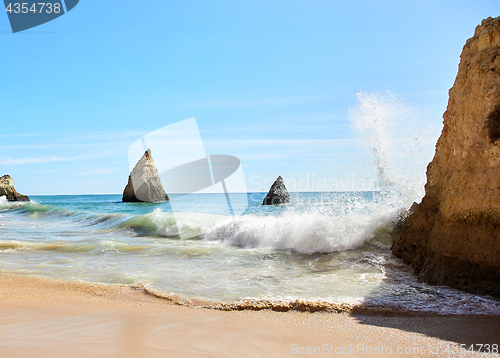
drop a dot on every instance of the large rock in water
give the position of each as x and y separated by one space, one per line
277 194
453 236
144 184
7 189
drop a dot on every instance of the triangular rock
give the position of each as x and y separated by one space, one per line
277 194
144 184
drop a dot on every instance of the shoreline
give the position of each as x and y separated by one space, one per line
142 292
42 317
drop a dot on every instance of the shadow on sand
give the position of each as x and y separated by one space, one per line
465 330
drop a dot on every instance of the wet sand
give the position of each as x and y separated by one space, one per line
43 318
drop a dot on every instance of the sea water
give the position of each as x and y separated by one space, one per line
321 249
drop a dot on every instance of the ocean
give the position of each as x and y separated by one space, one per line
325 250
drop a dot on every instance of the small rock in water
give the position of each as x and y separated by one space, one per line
277 194
7 189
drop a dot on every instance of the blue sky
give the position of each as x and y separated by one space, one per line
271 82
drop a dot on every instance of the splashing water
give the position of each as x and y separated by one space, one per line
401 141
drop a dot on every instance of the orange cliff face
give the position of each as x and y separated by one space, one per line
453 236
7 189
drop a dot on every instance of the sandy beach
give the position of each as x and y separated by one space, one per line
250 179
43 318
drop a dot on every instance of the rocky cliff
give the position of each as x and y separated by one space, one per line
144 184
277 194
453 236
7 189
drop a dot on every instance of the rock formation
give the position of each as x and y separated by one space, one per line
7 189
144 182
277 194
453 236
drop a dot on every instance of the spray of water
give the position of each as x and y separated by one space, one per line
401 141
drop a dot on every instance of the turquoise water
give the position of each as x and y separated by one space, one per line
330 247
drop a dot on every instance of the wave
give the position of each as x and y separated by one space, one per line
155 223
82 218
22 246
32 207
97 247
166 224
8 205
306 232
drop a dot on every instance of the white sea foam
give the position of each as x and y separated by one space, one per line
302 232
8 205
192 224
305 233
5 204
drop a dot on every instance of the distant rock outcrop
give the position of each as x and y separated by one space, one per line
7 189
453 236
277 194
144 184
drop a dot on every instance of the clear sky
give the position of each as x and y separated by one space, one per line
271 82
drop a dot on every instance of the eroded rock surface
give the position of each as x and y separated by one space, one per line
453 236
144 184
277 194
7 189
